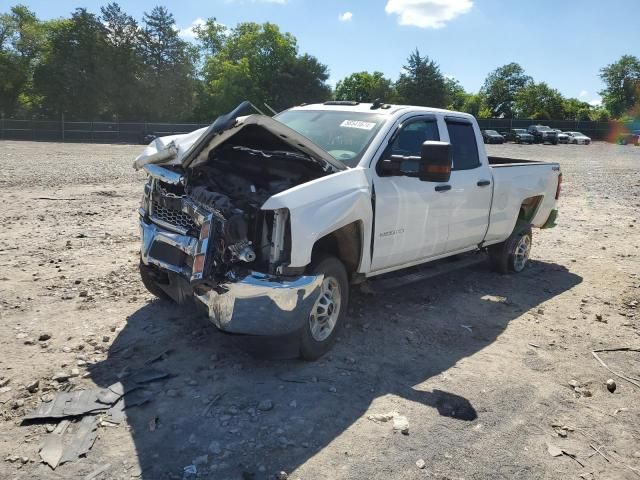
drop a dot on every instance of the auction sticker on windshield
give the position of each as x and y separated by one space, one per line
358 124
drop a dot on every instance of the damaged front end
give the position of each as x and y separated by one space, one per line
206 238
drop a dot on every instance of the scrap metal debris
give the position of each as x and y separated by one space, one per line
82 411
69 404
66 444
82 439
52 449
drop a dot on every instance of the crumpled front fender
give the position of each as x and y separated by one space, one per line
322 206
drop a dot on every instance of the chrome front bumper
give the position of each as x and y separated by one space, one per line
256 304
261 304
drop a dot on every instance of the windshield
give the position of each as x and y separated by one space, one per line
543 129
491 132
519 130
345 135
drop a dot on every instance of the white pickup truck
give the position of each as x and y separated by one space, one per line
266 222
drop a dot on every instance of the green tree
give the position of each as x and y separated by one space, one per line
456 95
622 85
211 36
422 83
539 101
305 79
21 43
600 115
70 76
474 104
575 109
501 87
169 68
364 87
259 63
123 89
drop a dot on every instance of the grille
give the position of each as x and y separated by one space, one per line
173 217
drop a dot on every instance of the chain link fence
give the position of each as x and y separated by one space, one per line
90 132
137 132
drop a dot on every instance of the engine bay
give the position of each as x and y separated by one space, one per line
231 186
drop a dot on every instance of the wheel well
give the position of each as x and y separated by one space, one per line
344 243
529 208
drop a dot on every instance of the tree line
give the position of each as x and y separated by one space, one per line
110 66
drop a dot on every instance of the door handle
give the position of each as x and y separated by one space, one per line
443 188
483 183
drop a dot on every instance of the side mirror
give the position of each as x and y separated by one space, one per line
435 161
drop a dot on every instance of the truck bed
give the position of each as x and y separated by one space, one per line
512 185
512 162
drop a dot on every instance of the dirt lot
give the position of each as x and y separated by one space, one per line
483 382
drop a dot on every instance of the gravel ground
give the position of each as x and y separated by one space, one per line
480 365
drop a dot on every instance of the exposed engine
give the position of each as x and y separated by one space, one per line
233 184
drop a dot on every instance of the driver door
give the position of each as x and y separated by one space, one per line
411 216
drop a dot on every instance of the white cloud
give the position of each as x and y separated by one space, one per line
427 13
345 17
596 102
583 93
189 32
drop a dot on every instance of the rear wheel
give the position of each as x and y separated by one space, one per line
512 255
327 315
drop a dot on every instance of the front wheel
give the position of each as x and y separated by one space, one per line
512 255
150 283
328 312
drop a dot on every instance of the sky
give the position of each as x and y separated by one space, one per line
563 43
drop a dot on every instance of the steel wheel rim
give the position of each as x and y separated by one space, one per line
521 256
326 310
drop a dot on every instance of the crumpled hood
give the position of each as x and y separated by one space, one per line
193 148
168 150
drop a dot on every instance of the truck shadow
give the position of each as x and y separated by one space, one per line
253 417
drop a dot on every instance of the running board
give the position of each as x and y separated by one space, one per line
430 270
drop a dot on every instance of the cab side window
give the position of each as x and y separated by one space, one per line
408 142
463 145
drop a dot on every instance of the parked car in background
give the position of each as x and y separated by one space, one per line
491 136
147 138
520 135
631 138
578 138
543 134
562 136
